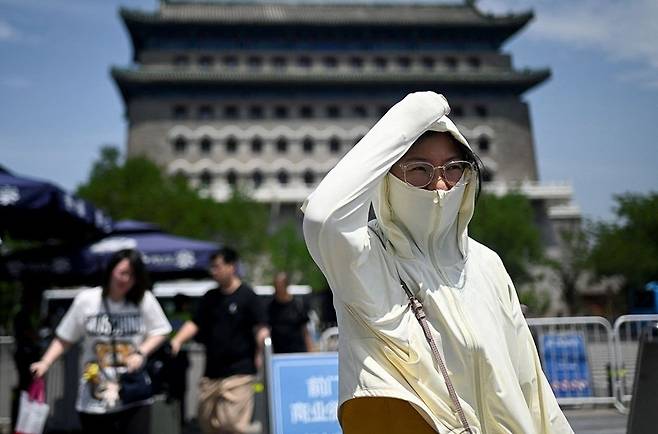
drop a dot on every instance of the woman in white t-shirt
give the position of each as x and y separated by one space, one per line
119 324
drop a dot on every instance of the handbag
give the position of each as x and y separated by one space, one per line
32 410
133 386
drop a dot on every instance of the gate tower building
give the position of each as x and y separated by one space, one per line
270 95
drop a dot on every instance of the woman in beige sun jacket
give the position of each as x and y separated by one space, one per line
422 178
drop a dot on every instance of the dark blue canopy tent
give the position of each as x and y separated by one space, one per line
32 209
166 256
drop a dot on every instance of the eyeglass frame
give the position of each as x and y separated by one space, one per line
403 166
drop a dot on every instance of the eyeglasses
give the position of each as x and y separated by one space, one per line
419 173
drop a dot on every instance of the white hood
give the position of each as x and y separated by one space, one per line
434 222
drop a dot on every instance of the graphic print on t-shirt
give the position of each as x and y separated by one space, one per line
101 374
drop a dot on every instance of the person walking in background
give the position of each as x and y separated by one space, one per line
432 337
120 324
288 320
231 322
175 368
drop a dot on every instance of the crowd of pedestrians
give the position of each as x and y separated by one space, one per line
121 324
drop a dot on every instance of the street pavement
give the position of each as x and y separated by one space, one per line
596 421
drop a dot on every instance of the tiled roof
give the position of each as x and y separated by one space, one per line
316 13
129 80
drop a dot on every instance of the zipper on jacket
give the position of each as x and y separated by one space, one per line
471 342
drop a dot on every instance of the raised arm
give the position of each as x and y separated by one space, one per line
336 213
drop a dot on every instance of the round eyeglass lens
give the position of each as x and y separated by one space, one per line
453 171
418 174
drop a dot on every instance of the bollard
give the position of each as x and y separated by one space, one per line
641 419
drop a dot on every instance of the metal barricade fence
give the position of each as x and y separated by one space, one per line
597 336
8 380
627 332
611 355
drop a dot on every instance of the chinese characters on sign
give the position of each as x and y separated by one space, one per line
304 393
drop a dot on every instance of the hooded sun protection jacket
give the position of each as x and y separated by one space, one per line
421 237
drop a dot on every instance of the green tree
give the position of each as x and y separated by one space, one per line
573 264
506 225
628 246
288 252
138 189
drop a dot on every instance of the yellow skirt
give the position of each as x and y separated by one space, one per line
382 416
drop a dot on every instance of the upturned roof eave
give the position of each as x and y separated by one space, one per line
126 79
137 17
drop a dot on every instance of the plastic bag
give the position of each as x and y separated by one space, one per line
32 410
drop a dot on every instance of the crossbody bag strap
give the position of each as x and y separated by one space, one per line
417 308
110 318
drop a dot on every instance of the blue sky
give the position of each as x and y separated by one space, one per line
595 122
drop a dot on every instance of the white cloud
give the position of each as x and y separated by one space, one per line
7 32
621 30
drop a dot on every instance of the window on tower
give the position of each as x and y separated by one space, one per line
231 112
256 112
404 62
359 111
381 62
309 177
180 112
330 61
308 144
205 179
474 62
205 62
483 143
230 61
333 111
451 63
255 62
481 111
206 145
283 176
279 62
356 62
280 112
428 62
206 112
487 175
334 145
231 144
181 60
232 178
306 112
257 145
304 62
258 178
180 144
282 144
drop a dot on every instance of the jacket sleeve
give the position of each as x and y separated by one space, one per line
547 416
336 213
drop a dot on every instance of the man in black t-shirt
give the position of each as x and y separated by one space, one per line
232 324
288 320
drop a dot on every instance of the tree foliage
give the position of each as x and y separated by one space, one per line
573 264
288 252
506 225
629 245
138 189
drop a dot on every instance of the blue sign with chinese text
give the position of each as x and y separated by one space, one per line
564 359
304 393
